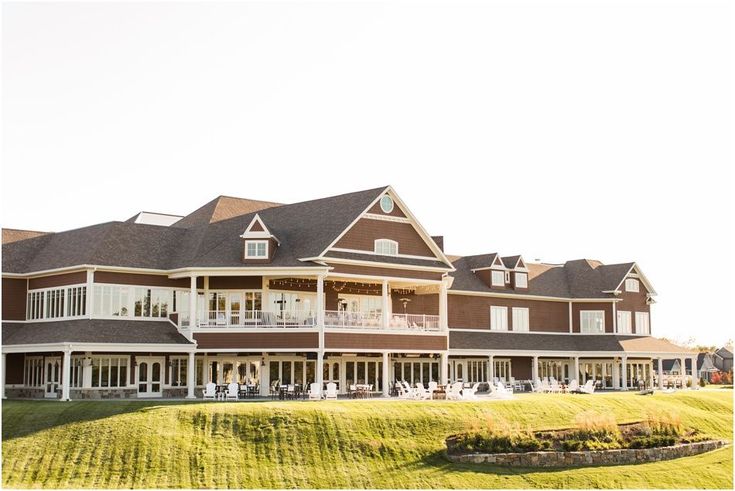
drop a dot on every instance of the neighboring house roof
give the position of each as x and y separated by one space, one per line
581 278
92 331
14 234
724 352
211 238
483 340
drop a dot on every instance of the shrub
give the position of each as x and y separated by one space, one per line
572 445
716 378
702 382
496 441
652 441
662 422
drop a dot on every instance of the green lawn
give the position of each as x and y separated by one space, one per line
360 444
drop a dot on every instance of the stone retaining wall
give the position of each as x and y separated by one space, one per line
589 457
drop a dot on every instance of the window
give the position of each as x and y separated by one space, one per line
56 303
632 285
386 247
178 372
499 318
521 280
624 322
256 249
386 204
642 323
109 371
498 278
592 321
121 301
520 319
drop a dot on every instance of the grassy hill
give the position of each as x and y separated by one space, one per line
360 444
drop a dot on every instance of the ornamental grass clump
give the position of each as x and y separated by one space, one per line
594 431
663 422
497 437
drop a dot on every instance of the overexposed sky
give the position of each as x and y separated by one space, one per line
557 130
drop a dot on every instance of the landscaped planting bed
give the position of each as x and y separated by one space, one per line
596 439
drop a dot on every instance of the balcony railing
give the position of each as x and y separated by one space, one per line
255 318
296 319
365 320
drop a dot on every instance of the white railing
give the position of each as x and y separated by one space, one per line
257 318
332 319
367 320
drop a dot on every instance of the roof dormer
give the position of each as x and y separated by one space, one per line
259 244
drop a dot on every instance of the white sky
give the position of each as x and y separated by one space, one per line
557 130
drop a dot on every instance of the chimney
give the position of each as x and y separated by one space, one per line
439 239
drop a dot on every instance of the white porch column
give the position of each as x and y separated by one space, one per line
444 368
386 375
576 371
491 368
534 369
443 317
624 370
660 373
191 379
90 294
193 304
695 374
65 375
320 302
650 375
205 284
265 375
2 378
320 370
385 316
615 374
683 365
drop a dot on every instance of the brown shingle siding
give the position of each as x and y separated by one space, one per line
473 312
363 234
14 299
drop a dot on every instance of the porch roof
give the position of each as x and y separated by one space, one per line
92 331
538 342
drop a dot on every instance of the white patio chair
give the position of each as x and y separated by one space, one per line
554 386
588 388
421 392
468 393
402 392
501 387
454 391
545 386
331 391
314 392
573 386
537 386
412 393
432 388
232 390
501 392
210 391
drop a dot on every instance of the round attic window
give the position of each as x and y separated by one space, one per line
386 204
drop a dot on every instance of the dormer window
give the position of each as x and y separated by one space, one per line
521 280
498 278
632 285
256 249
386 204
386 247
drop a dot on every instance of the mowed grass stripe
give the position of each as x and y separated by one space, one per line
364 444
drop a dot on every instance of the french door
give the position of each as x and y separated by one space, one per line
150 376
52 378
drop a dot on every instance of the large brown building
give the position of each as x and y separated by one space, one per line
348 289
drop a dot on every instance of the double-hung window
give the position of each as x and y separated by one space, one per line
256 249
520 319
592 321
498 278
642 323
521 280
624 322
632 285
498 318
386 247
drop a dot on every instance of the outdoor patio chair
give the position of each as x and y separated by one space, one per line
588 388
410 390
454 391
232 390
314 393
421 392
210 391
402 392
554 387
331 391
468 393
537 386
573 386
432 388
501 392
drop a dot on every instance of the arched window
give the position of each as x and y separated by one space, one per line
386 247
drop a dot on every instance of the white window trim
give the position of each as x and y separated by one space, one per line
581 324
632 281
642 315
385 241
65 296
497 274
504 322
256 243
527 326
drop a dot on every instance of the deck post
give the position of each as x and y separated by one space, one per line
683 370
385 315
534 369
2 377
576 372
66 375
490 369
443 317
624 370
695 375
320 302
192 305
191 376
386 374
661 373
320 370
444 368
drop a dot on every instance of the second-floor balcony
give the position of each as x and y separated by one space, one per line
302 319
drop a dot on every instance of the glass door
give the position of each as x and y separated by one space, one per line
149 376
52 379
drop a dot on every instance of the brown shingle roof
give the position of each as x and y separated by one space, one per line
537 342
223 208
92 331
14 235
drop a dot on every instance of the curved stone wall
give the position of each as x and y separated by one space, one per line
589 457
